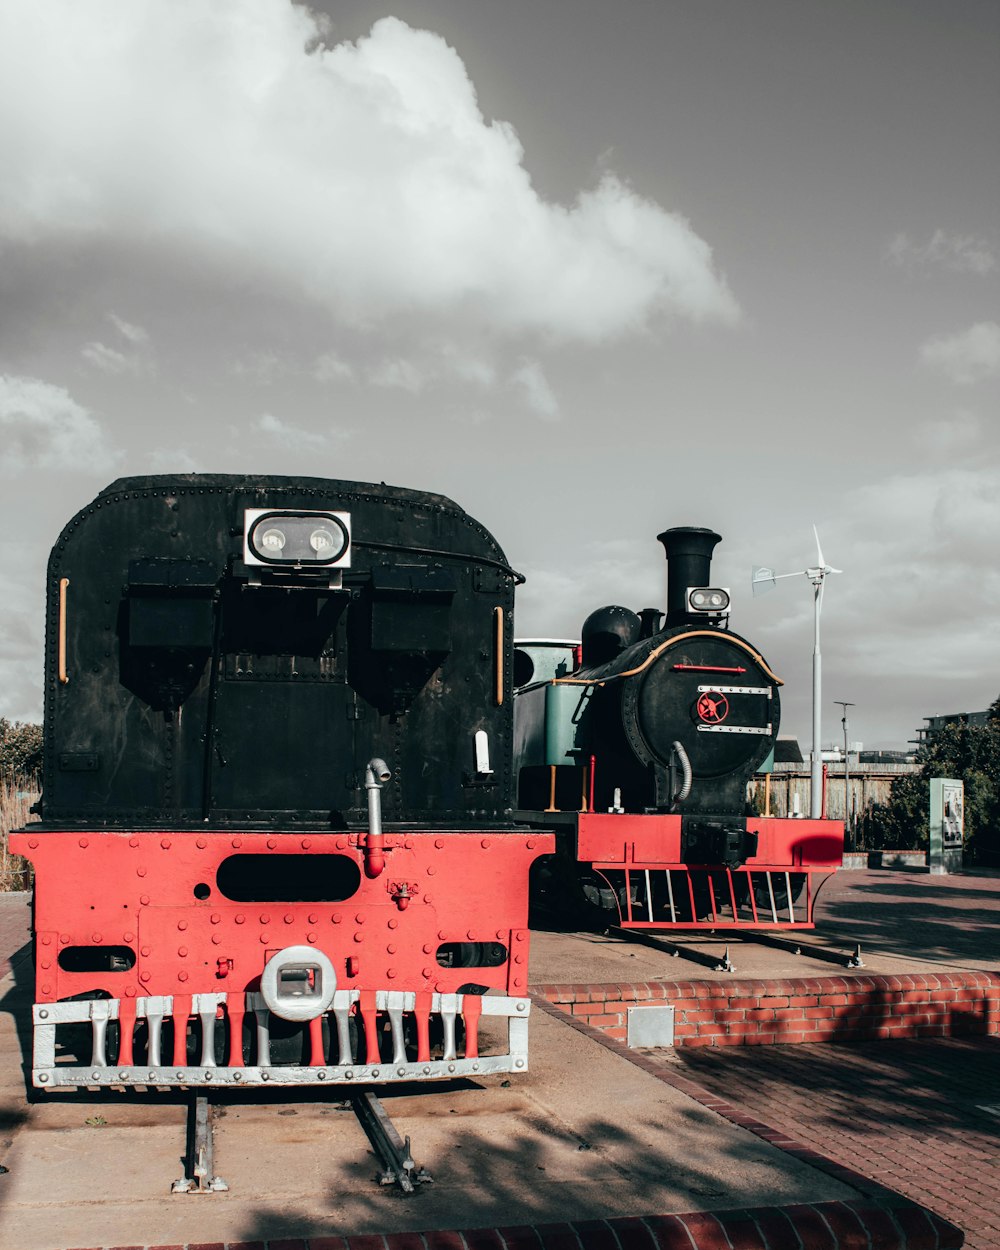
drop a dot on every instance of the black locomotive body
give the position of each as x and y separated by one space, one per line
638 746
277 787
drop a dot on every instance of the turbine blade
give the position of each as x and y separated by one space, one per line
819 549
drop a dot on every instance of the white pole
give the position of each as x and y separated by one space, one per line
816 776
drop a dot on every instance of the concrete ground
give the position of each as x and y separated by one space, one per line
586 1134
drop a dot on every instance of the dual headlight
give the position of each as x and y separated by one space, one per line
708 600
294 538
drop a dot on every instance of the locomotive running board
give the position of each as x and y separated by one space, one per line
392 1005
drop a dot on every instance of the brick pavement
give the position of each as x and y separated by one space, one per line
907 1114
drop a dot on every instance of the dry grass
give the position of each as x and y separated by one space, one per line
16 797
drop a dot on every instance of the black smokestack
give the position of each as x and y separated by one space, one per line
689 563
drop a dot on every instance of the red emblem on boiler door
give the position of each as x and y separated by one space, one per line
712 707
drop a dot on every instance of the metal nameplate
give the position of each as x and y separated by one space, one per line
734 729
764 690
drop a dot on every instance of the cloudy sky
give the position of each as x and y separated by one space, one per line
592 270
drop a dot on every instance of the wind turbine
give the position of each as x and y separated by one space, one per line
763 580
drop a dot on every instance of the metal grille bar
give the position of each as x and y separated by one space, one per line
354 1065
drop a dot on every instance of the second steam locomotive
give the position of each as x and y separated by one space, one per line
637 746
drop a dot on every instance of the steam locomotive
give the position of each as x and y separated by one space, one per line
636 747
276 839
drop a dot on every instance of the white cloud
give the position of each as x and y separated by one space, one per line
332 368
295 438
398 374
173 460
43 427
970 356
363 174
133 333
107 359
963 253
530 380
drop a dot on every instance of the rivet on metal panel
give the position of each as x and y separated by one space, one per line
144 977
271 843
391 949
216 939
215 917
47 940
145 951
519 959
84 843
313 918
64 938
144 899
428 972
341 844
130 991
165 843
519 937
484 843
201 844
359 937
428 898
392 923
306 844
240 918
360 917
140 872
439 843
182 925
289 918
128 936
182 976
182 951
265 918
133 841
390 973
408 844
336 917
46 989
237 842
33 843
530 844
431 870
471 934
264 939
310 937
46 963
96 937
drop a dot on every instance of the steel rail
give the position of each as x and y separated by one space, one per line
392 1152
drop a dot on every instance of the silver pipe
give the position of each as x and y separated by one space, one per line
685 789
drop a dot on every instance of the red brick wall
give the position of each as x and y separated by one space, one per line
815 1009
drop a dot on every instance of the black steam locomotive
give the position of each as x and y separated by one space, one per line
277 839
637 747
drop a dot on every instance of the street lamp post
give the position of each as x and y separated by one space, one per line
848 839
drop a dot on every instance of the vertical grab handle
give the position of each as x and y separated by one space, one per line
498 619
63 675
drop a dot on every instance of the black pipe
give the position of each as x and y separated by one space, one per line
689 563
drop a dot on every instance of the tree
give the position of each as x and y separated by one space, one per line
969 753
20 750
